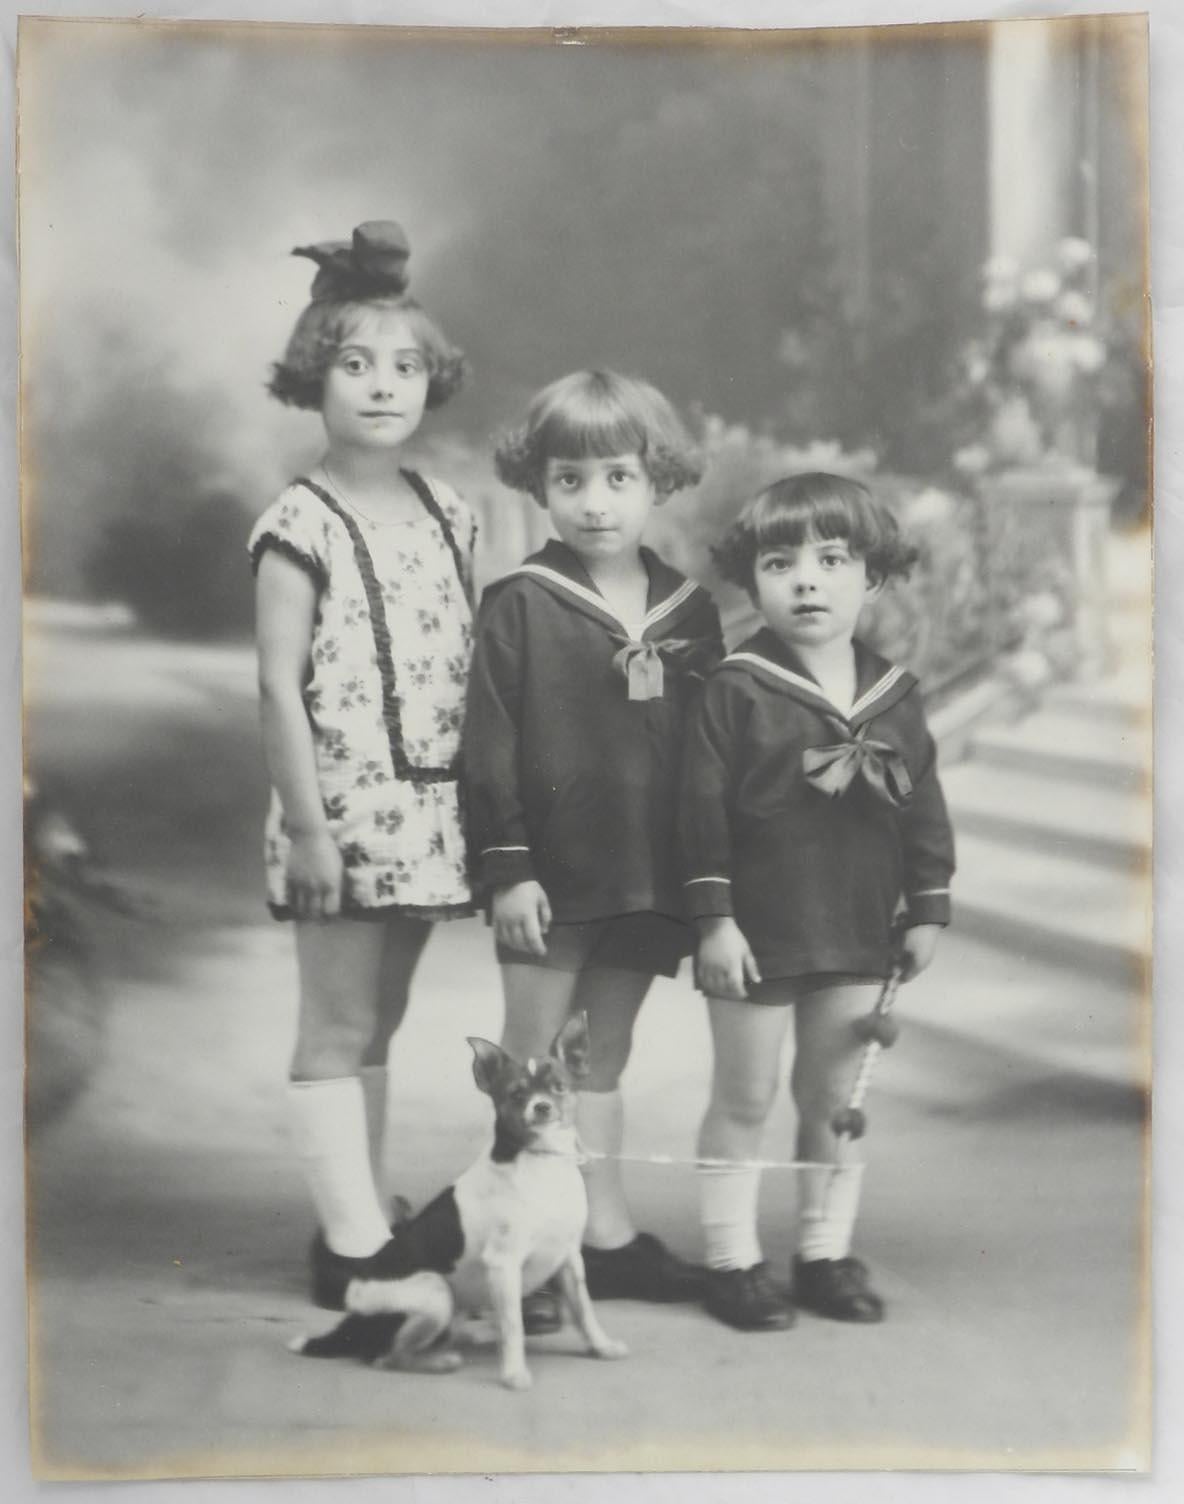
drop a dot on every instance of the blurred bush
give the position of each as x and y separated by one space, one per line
183 573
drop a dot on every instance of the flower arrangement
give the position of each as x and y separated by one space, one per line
1031 386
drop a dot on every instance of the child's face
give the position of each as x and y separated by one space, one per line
599 505
812 595
376 388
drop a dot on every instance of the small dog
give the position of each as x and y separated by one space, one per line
513 1220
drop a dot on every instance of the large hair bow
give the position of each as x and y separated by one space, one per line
831 770
372 264
641 663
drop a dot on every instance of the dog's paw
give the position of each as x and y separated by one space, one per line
516 1378
610 1347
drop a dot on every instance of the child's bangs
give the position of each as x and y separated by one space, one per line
587 429
780 523
352 320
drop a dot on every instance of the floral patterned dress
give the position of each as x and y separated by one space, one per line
384 694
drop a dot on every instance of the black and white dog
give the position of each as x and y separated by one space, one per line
513 1220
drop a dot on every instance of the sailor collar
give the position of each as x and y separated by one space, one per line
878 683
557 569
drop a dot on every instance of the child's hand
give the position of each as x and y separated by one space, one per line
724 963
314 876
917 948
522 917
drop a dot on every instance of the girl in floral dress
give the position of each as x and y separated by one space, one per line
364 588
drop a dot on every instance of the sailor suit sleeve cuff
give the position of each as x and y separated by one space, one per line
708 897
929 907
503 866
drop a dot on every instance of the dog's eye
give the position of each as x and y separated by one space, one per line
559 1088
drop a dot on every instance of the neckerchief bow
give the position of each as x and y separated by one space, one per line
641 663
831 770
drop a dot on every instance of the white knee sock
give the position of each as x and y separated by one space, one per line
728 1196
374 1093
828 1203
600 1119
328 1122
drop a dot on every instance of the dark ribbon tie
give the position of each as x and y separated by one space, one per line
831 770
641 664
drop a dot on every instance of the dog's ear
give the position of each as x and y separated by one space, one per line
490 1064
571 1047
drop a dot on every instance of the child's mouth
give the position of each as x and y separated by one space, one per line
809 610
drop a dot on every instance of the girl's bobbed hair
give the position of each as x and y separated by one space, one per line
356 277
598 413
814 506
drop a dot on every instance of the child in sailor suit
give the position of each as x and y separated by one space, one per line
586 662
811 815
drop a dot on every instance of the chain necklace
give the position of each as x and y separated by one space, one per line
336 486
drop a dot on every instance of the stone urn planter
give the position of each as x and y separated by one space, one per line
1045 530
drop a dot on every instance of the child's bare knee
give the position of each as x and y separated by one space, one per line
329 1051
748 1105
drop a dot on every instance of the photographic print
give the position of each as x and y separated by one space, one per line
587 648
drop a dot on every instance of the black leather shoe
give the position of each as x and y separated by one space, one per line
542 1311
748 1299
332 1272
642 1270
837 1288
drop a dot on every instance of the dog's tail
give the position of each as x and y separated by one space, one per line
364 1337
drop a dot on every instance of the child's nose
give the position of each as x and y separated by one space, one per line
595 496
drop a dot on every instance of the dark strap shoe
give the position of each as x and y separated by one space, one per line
642 1270
332 1272
837 1288
748 1299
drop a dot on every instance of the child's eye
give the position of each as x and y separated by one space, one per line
619 477
832 561
566 480
775 565
353 365
410 366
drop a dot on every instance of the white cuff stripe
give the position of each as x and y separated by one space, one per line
692 881
929 893
488 850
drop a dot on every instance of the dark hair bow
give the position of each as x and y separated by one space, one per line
831 770
641 663
372 264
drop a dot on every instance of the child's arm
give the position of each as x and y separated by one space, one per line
724 963
928 842
286 600
496 817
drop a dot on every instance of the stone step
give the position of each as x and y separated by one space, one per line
1054 908
1121 698
1061 817
1050 1021
1059 743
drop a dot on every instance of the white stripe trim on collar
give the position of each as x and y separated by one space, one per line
664 608
594 598
881 686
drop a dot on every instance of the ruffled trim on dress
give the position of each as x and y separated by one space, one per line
311 567
392 718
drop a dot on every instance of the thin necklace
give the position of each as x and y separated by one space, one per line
336 485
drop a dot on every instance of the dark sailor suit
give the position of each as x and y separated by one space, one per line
810 825
574 732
